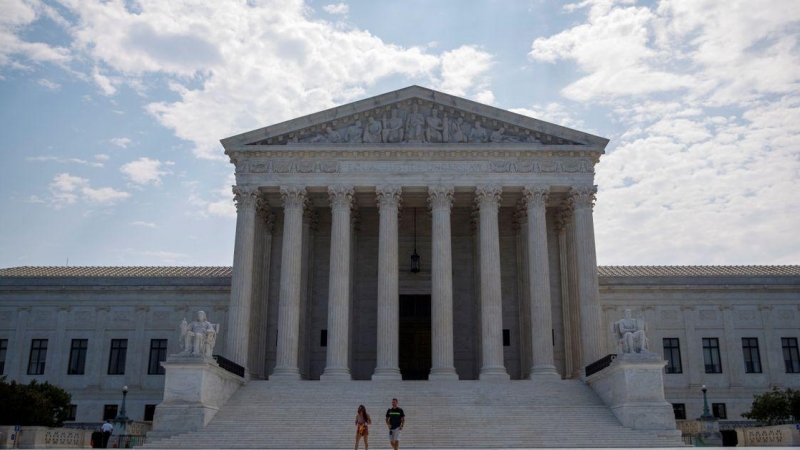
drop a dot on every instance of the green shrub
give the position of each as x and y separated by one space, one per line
33 404
775 407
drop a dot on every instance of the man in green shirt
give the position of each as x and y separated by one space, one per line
395 419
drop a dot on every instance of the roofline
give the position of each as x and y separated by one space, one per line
414 91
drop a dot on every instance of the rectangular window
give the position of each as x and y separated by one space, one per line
37 357
672 353
680 411
718 409
3 350
73 413
149 412
116 360
109 412
77 357
791 359
752 358
711 355
158 353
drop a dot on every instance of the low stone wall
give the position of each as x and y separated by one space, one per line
44 437
774 436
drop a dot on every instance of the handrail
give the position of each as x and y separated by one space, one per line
600 364
229 365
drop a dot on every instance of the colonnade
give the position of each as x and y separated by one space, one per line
389 200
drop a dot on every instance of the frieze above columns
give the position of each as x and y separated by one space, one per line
569 165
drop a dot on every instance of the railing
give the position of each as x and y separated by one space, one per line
127 440
600 364
229 365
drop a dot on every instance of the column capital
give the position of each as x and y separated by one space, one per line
389 196
520 215
245 196
535 196
488 196
563 217
310 216
582 197
294 197
341 197
440 197
265 214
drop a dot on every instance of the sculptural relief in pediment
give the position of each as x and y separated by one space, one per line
414 121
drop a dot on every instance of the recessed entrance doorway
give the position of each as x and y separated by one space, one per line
415 336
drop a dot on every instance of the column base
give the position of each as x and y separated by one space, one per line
443 373
285 373
543 371
387 373
336 373
494 373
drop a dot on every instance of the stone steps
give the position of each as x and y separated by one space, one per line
463 414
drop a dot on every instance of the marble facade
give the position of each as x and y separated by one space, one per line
329 209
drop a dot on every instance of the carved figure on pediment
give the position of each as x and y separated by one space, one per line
478 133
499 136
415 122
456 134
198 338
372 133
531 139
435 130
333 136
630 334
393 128
354 133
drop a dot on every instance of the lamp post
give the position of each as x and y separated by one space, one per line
706 413
122 415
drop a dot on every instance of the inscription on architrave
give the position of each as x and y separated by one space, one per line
507 166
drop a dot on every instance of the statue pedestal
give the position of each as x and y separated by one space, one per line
633 387
195 388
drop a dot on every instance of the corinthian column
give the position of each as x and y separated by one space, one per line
294 202
242 276
341 198
539 275
488 200
582 201
387 367
440 199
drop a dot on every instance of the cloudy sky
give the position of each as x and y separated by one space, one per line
111 112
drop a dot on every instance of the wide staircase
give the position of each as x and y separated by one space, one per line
463 414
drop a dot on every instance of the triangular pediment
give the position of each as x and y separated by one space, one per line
413 115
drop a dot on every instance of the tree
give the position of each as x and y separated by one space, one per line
33 404
775 407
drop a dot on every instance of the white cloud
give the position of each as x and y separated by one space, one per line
16 14
61 160
140 223
220 202
551 112
67 190
120 142
276 63
145 171
53 86
337 8
102 157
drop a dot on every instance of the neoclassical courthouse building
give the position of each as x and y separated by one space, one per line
413 235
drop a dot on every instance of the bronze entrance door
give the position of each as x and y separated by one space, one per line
415 336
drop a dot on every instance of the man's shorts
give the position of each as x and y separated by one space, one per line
394 435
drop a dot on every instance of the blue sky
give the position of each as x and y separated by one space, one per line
111 113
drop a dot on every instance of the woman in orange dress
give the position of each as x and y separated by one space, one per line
362 426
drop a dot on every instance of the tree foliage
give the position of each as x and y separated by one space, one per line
33 404
775 407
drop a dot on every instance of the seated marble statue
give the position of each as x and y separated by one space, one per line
198 338
630 334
